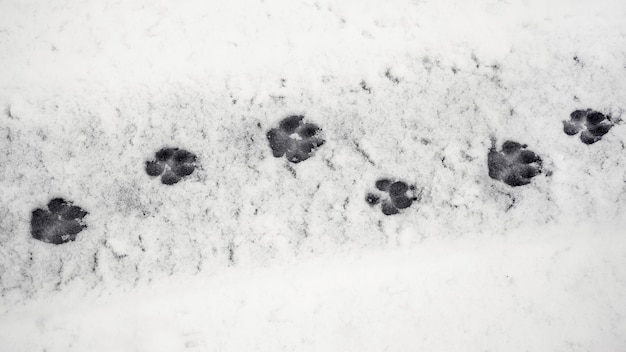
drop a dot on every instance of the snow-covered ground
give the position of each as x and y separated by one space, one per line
253 253
556 290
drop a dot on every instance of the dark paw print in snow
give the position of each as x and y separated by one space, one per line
395 196
514 164
593 125
172 164
60 223
295 139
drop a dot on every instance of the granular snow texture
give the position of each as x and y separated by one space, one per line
411 90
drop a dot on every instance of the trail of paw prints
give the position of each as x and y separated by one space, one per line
513 164
295 139
393 196
591 125
58 224
172 164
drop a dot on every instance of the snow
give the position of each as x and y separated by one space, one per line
414 90
553 289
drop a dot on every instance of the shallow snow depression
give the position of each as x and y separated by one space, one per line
414 93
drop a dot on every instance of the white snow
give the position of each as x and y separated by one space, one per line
251 254
549 289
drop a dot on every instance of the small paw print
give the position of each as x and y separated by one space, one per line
59 224
172 164
514 164
295 139
593 125
395 196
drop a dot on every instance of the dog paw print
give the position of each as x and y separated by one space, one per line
59 224
295 139
514 164
591 124
172 164
396 195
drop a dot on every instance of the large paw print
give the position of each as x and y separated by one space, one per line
295 139
514 164
593 125
395 196
60 223
172 164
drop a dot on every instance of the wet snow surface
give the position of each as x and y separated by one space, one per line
258 234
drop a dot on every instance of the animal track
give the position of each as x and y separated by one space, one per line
59 224
172 164
593 125
514 164
295 139
396 197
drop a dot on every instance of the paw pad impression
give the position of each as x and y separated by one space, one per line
59 224
514 164
593 125
395 196
172 164
295 139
